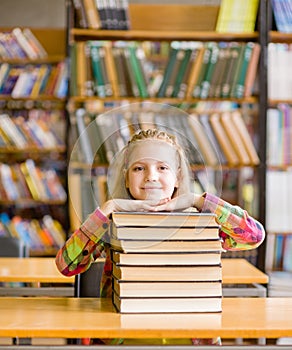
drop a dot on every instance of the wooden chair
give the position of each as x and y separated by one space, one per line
87 284
13 247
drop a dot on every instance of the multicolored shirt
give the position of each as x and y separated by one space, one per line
238 231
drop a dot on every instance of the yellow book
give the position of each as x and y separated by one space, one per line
245 137
223 139
234 138
41 74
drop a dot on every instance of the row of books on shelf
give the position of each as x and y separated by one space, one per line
279 71
20 44
279 247
278 198
34 80
279 135
282 10
21 133
102 14
26 181
37 234
166 262
233 16
193 69
210 140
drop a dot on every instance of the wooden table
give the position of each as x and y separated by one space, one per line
241 278
41 271
37 272
242 271
96 318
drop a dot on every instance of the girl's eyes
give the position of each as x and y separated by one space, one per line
138 168
141 168
163 167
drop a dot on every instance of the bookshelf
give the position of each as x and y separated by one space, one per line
33 152
188 23
279 230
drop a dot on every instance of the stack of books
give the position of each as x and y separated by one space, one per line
166 262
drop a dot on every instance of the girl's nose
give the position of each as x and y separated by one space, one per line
151 175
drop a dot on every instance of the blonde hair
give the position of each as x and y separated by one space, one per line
116 174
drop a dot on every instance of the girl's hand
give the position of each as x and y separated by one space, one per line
182 202
131 205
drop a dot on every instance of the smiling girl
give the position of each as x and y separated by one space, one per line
152 174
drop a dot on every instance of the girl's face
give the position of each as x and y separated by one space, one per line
152 171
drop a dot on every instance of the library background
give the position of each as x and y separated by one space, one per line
67 64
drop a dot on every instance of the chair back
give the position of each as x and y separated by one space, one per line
87 284
13 247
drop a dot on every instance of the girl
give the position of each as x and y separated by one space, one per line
152 174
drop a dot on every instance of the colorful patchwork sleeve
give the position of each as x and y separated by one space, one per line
84 246
238 231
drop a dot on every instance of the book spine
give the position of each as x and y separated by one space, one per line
24 43
175 72
251 70
231 69
83 138
167 72
8 183
123 14
202 71
80 15
97 70
206 82
100 5
129 69
138 70
35 43
184 84
92 14
104 71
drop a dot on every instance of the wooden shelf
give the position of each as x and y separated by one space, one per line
275 36
79 99
11 150
28 98
275 102
26 61
91 34
32 202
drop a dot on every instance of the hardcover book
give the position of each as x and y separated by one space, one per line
168 305
174 258
149 289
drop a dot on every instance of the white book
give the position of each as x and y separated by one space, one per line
24 43
11 130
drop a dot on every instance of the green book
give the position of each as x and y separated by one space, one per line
237 70
73 71
181 72
175 71
240 84
138 73
99 83
206 83
185 80
104 71
167 72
